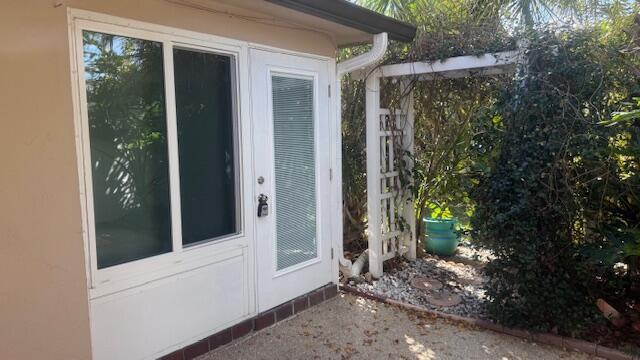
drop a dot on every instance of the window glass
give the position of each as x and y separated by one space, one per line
128 139
295 174
205 115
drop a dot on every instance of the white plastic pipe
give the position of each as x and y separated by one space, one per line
379 48
380 42
359 264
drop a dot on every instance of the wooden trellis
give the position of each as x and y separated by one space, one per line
389 207
386 202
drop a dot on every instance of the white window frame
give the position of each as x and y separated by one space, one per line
119 277
305 75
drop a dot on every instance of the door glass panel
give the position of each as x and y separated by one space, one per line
295 178
205 115
128 139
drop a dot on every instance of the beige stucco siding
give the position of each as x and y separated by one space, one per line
208 16
43 301
43 295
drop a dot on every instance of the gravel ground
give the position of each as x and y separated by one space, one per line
461 278
350 327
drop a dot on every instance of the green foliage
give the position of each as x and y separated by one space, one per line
546 164
125 99
624 116
559 204
446 127
445 116
354 162
529 13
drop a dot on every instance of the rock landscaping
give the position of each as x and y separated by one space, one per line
451 285
454 285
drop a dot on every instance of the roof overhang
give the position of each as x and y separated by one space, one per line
343 22
351 15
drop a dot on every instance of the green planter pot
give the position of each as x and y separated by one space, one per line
440 236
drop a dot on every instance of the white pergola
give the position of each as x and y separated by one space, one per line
385 201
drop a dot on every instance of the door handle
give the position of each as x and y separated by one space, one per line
263 205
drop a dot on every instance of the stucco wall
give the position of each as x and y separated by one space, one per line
43 295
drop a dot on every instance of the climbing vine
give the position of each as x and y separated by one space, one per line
542 166
559 202
444 121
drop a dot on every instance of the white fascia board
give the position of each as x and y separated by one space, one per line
467 64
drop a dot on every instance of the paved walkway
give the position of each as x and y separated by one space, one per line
348 327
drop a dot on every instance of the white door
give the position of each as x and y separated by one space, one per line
290 110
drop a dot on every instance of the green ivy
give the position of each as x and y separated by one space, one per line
558 203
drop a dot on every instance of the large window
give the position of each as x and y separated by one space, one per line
204 102
130 132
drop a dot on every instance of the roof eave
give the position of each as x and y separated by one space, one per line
354 16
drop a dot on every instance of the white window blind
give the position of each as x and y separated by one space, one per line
295 184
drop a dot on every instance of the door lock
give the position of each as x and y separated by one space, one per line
263 206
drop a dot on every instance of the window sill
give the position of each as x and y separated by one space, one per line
135 274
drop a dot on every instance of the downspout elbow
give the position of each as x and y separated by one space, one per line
380 43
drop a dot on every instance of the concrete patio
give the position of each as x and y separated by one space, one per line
349 327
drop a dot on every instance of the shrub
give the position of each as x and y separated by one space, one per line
558 204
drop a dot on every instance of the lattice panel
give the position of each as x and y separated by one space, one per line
389 210
391 133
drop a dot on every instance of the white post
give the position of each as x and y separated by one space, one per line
372 112
409 211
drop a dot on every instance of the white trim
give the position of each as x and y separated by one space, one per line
246 141
456 74
86 160
372 117
100 18
119 277
305 75
459 63
279 50
300 278
335 168
300 266
77 122
172 147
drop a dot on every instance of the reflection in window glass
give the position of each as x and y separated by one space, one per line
128 136
204 109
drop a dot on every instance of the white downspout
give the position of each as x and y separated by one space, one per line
380 42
